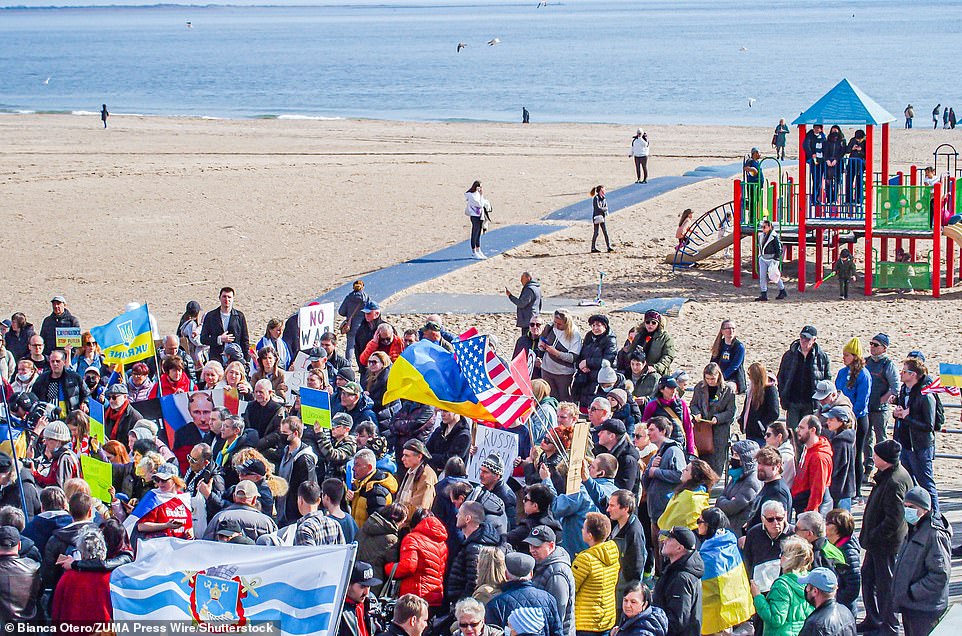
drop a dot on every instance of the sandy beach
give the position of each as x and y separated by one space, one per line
167 210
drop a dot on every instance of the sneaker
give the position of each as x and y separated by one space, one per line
595 250
480 255
611 249
781 295
763 297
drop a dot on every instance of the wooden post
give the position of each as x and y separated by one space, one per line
802 205
737 233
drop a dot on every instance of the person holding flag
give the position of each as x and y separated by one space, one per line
163 511
127 338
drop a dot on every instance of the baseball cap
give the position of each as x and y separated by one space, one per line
6 463
246 489
342 419
667 381
229 528
92 369
252 467
363 574
371 306
823 389
58 299
682 535
432 326
838 412
351 388
6 323
165 472
540 535
820 578
9 536
808 331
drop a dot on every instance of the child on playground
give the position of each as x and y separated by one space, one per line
844 269
684 223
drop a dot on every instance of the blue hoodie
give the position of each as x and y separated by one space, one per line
859 394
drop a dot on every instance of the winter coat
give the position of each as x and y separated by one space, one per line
371 494
392 349
10 494
571 511
266 420
252 521
412 421
118 424
883 523
463 569
554 576
831 619
364 334
563 363
885 378
666 477
62 541
82 597
761 548
722 407
517 594
520 532
363 411
739 494
528 303
41 527
417 489
651 622
627 456
73 390
422 562
20 589
813 476
843 465
917 431
632 547
303 467
675 411
443 444
859 394
784 609
596 576
678 592
351 307
921 579
508 499
49 326
776 490
594 351
378 542
333 455
849 574
658 347
17 342
791 373
756 420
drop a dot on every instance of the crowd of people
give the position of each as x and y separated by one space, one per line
648 540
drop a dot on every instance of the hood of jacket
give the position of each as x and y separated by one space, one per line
486 534
432 528
606 552
559 556
845 435
746 449
651 621
68 534
376 525
821 447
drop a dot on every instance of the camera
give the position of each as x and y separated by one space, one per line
381 609
35 410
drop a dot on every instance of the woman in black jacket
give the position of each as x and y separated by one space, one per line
835 147
119 551
451 438
761 404
597 346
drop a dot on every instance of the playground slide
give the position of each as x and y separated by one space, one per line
953 232
706 250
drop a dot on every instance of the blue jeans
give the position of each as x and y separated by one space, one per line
844 504
919 465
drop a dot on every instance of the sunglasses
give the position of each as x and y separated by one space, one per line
651 322
469 625
769 434
874 344
774 519
638 436
535 324
700 521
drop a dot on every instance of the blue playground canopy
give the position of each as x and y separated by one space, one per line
845 105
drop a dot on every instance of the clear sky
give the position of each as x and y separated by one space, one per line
84 3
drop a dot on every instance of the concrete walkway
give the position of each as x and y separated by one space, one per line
396 278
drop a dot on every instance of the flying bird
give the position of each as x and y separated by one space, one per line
46 81
744 49
189 25
461 45
543 3
751 100
494 41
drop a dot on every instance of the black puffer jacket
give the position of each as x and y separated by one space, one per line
444 445
831 619
412 421
917 430
596 349
463 569
17 343
49 326
678 592
75 392
791 371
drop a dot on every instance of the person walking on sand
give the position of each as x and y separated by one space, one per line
525 116
639 152
475 211
599 214
104 114
935 116
769 262
780 139
909 116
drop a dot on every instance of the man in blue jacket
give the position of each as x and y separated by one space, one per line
518 591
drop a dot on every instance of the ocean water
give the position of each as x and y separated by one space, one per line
659 61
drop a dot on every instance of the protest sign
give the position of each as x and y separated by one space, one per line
68 337
99 476
313 321
576 457
493 441
315 407
96 420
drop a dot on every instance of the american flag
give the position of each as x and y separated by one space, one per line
936 387
489 378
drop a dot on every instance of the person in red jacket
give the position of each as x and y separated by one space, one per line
810 488
385 339
83 597
424 557
173 379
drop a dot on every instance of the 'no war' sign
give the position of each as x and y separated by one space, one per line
313 321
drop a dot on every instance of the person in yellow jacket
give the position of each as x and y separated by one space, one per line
596 577
372 488
690 497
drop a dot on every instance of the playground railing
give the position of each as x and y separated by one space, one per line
903 207
905 276
837 192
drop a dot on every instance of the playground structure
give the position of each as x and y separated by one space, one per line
830 207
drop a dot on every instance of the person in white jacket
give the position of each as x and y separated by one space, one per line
475 211
639 151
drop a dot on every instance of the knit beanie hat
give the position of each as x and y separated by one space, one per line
527 620
920 497
854 347
141 433
494 464
57 431
607 375
889 450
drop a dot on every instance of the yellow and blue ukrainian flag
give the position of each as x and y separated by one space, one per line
951 374
726 595
127 338
427 374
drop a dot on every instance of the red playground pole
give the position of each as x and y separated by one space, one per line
802 205
869 204
937 240
737 232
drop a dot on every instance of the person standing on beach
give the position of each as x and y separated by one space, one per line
528 301
104 115
475 211
599 214
525 116
909 116
780 139
769 262
935 116
639 151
